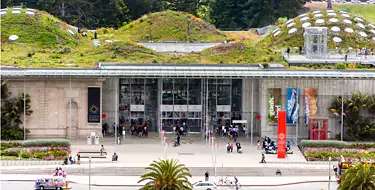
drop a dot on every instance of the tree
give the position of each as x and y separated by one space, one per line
166 175
359 176
12 110
357 125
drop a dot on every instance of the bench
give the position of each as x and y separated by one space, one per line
92 152
94 156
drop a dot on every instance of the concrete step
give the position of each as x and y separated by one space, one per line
195 171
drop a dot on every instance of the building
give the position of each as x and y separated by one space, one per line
169 95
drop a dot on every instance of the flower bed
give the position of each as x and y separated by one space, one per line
38 149
322 150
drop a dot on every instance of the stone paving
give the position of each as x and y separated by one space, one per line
193 151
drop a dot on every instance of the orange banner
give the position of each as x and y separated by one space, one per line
281 134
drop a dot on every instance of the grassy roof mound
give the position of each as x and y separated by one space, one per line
170 26
354 40
40 30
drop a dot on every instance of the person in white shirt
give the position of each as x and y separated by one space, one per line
224 132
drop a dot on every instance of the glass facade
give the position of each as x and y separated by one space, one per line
181 102
138 102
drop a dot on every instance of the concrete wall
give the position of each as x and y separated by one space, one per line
327 90
50 105
246 104
109 102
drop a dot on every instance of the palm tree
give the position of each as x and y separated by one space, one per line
166 175
359 177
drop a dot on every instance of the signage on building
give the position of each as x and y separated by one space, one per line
274 104
311 99
239 121
195 108
257 117
93 102
104 115
281 134
166 107
223 108
182 108
292 105
140 108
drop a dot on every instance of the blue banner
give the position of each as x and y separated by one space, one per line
292 105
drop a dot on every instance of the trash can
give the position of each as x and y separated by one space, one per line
118 140
89 140
96 139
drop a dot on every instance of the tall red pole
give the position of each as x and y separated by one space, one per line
281 134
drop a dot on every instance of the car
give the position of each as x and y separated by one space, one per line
206 185
58 183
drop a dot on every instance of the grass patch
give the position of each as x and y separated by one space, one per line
169 26
365 11
353 40
9 158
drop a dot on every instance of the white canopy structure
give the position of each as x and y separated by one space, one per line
331 14
362 34
361 26
304 19
316 12
337 39
292 31
371 26
302 15
348 22
345 15
357 19
319 21
291 25
277 29
30 13
289 21
335 29
318 15
349 30
333 20
13 37
307 24
277 33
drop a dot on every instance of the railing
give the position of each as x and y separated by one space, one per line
41 162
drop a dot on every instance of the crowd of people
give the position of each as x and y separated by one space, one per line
270 146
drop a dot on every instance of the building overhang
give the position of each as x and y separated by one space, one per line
181 71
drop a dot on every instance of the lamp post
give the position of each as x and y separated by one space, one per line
90 173
329 173
70 107
342 116
252 110
24 108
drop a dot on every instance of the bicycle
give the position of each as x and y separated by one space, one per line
233 185
223 181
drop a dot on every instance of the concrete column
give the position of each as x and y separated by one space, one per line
108 102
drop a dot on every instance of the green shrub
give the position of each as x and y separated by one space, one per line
5 146
341 66
324 143
10 153
46 142
359 145
26 154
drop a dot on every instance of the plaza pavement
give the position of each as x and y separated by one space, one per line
137 153
193 151
132 180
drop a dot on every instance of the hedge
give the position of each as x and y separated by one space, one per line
6 145
323 143
46 142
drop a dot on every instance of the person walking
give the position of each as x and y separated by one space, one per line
206 176
263 161
288 51
78 158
